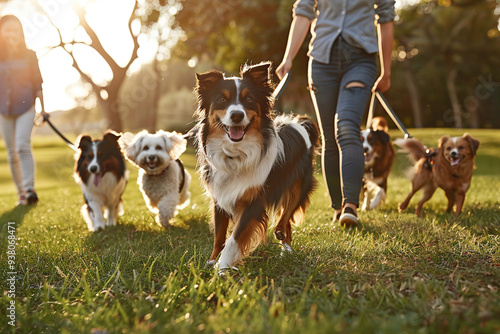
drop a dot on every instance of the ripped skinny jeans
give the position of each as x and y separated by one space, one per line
340 110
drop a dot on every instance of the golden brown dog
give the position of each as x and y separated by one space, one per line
449 167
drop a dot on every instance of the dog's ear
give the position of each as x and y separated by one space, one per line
260 73
130 144
204 84
474 143
443 140
206 80
83 142
111 137
176 144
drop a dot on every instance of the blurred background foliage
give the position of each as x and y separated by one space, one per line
445 70
445 61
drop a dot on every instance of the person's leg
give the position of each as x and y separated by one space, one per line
324 85
354 94
7 126
23 129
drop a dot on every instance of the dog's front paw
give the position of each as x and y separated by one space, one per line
163 221
287 249
378 199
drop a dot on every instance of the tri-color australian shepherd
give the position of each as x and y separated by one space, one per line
100 171
255 167
379 157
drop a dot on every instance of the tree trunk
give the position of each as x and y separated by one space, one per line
452 92
153 121
414 94
110 109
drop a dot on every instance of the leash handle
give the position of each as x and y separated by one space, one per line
40 119
281 86
379 95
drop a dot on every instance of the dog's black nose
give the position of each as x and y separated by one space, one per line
365 149
93 169
454 154
237 116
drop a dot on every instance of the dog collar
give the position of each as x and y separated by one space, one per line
162 172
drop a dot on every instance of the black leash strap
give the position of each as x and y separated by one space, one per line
281 86
183 178
389 111
68 142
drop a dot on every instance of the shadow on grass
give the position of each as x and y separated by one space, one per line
150 240
10 221
16 216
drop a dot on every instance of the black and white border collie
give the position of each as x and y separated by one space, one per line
100 171
253 166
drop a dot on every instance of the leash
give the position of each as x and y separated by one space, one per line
46 120
381 97
390 112
281 86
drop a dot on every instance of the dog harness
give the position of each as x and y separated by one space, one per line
430 157
183 177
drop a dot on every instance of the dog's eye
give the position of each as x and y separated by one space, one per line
221 99
461 147
158 147
145 148
248 98
448 148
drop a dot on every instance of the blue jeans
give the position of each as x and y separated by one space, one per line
339 111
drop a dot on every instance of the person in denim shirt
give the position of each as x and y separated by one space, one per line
342 74
20 85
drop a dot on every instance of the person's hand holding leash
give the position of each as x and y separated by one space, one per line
382 84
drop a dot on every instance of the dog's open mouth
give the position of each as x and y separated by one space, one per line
455 161
97 179
368 157
152 165
236 133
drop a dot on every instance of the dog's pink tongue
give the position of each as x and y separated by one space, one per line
97 180
236 132
455 162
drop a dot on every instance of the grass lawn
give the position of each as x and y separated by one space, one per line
395 273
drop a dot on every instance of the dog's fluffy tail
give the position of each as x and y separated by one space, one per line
312 130
413 147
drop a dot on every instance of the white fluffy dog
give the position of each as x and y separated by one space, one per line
162 178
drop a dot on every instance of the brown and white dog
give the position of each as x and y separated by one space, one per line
254 166
379 157
449 167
